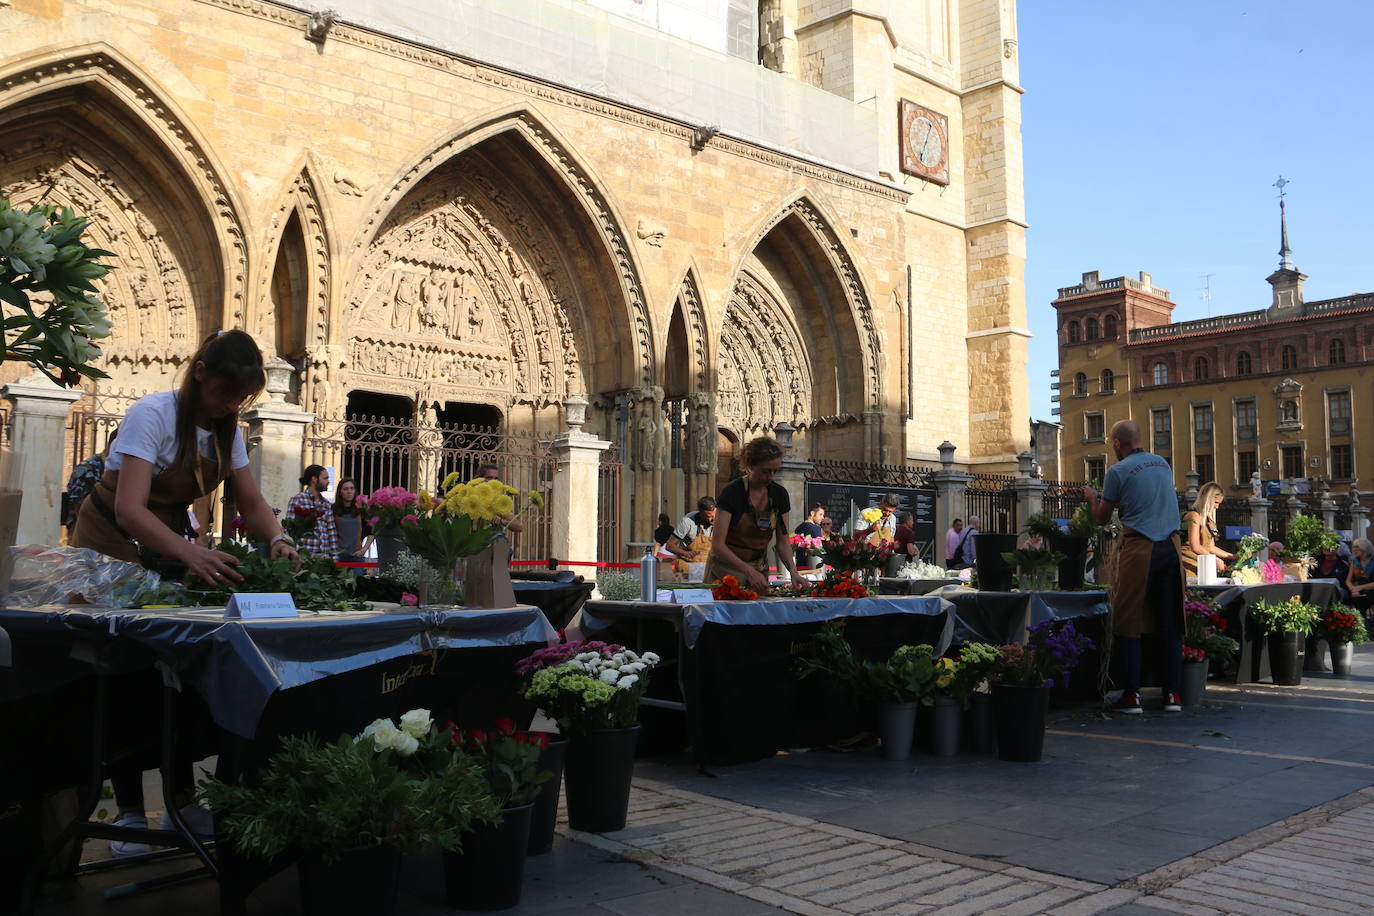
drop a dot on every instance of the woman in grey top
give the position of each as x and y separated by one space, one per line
348 519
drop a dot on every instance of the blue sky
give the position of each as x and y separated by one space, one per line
1154 130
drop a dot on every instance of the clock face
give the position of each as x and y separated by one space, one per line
924 142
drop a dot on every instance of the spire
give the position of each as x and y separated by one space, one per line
1285 253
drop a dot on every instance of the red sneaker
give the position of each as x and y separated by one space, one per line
1129 704
1173 703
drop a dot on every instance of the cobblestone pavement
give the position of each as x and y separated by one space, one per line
1318 862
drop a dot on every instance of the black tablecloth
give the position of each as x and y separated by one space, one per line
737 679
558 600
897 585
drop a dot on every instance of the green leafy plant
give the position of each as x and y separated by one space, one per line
1307 537
1042 524
1291 616
616 585
1035 566
318 585
975 666
1082 523
904 677
326 799
1340 623
508 760
1247 552
52 317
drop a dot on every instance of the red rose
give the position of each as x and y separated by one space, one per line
504 726
542 740
457 738
521 738
477 736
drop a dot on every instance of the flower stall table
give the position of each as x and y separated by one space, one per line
734 676
1001 618
253 680
1235 602
899 585
560 601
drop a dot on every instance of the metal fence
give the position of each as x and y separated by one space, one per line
391 452
1063 497
610 478
874 475
991 498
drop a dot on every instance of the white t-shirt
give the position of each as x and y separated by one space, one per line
149 431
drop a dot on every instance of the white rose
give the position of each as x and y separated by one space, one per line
610 675
417 722
649 658
627 682
405 744
383 733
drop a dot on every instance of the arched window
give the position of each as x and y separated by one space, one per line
1161 374
1072 331
1108 381
1080 385
1288 357
1335 353
1092 328
1201 369
1109 326
1243 366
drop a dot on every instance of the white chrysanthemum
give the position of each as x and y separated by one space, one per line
610 675
649 658
627 681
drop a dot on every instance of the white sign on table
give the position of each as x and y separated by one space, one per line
260 606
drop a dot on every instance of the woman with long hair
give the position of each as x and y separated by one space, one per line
751 511
1360 580
1200 523
175 447
350 523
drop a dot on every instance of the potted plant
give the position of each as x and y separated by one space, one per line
594 696
1205 645
349 809
1021 690
1037 568
487 871
862 554
1286 623
946 707
1082 526
1307 536
1343 629
976 664
387 507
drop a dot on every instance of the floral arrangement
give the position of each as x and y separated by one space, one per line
1204 631
389 506
839 584
904 677
564 652
917 568
975 665
1052 650
1340 624
595 689
1271 571
1035 567
1246 575
856 553
805 542
462 520
1306 538
509 760
42 254
729 589
1247 552
301 521
1291 616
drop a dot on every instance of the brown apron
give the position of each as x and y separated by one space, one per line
748 537
169 498
699 551
1130 585
1207 536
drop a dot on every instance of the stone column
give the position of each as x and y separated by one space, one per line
1359 515
1327 505
576 490
949 496
1193 478
1259 515
39 441
1029 489
276 438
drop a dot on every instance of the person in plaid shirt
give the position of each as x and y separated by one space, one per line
323 540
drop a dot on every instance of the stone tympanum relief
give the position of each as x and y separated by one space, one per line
765 374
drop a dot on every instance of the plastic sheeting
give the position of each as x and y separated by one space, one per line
237 665
583 48
595 615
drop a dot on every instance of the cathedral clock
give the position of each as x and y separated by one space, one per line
924 142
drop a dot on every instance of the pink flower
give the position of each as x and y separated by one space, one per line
408 599
374 521
410 520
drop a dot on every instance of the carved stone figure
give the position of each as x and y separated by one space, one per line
521 355
404 301
477 317
701 434
433 300
646 436
1256 486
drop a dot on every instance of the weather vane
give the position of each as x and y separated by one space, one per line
1280 184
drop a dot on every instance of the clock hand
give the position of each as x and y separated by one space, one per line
922 154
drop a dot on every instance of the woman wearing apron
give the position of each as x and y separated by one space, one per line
750 512
1200 526
175 447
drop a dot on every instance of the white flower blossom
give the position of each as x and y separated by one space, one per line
627 681
417 723
649 658
383 733
405 744
610 676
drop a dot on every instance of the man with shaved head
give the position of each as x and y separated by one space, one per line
1147 590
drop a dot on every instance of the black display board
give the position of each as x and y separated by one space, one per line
843 499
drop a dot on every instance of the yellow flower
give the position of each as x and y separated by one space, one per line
536 499
449 481
424 501
503 506
870 515
944 680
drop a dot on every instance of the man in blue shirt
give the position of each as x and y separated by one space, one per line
1147 592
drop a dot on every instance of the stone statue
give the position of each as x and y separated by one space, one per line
434 300
405 302
646 436
1256 485
701 434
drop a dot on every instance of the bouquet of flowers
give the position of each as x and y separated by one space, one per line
805 542
301 521
509 760
1342 624
389 506
1247 553
1204 632
1271 571
839 585
916 568
729 589
855 554
974 666
1052 650
595 689
462 520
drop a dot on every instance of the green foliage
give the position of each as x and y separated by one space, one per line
905 677
1032 558
330 798
1291 616
1308 536
443 540
1042 524
976 665
1248 550
319 585
508 761
42 255
1082 523
580 702
616 585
